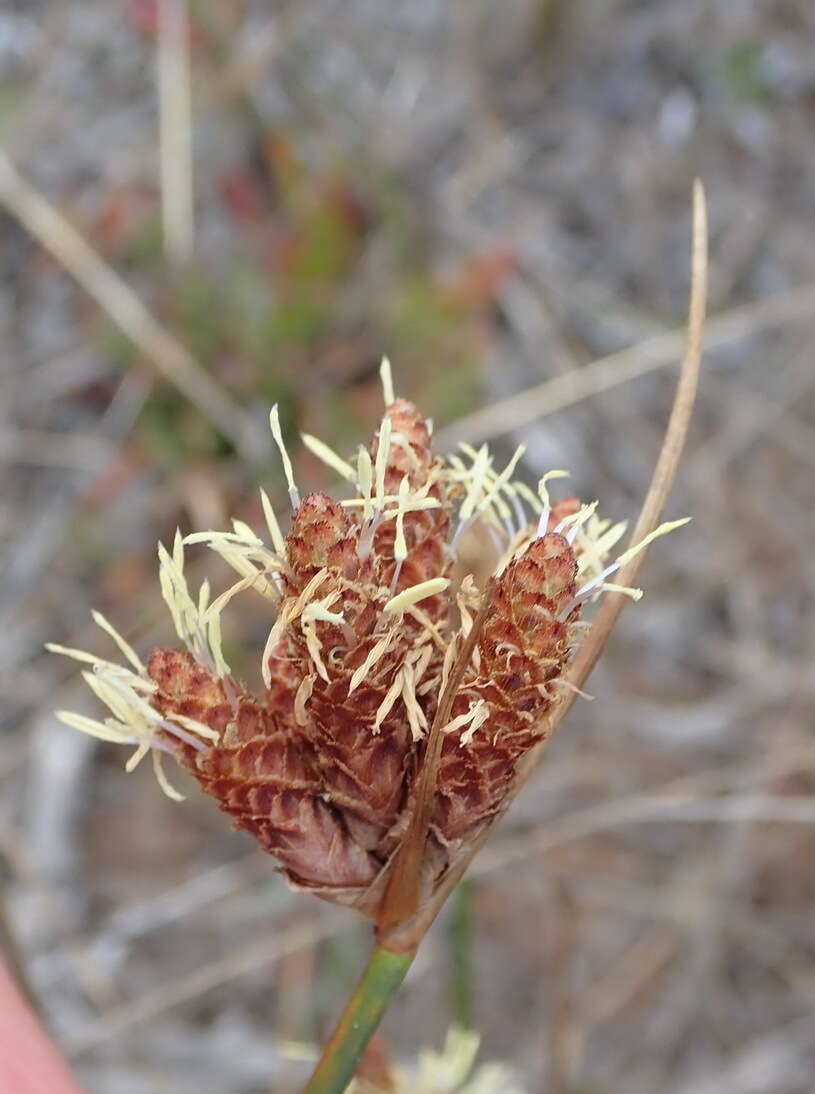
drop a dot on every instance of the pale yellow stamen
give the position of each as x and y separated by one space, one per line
312 612
275 634
610 538
93 727
274 422
242 529
565 683
626 590
478 474
492 505
662 530
480 714
466 598
123 701
543 493
416 502
329 457
215 642
211 536
178 550
318 609
382 454
237 556
162 779
493 495
124 646
412 595
99 663
197 727
309 589
386 705
276 536
386 377
314 648
466 617
375 654
137 757
412 505
422 661
203 598
460 720
400 550
243 565
575 521
430 684
594 542
171 583
365 481
416 716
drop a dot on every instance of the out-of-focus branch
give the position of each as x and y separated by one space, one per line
175 129
121 304
620 367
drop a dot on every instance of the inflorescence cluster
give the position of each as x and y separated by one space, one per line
371 610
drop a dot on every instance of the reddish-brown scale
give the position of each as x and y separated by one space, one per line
363 772
260 774
321 536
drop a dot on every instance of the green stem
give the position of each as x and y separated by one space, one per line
460 936
383 974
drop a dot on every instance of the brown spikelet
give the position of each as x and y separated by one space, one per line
426 533
525 643
321 537
261 774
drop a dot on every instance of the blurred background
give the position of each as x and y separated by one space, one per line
498 197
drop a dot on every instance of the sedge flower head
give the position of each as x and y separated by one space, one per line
368 612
